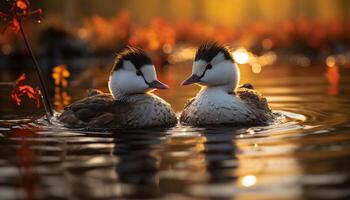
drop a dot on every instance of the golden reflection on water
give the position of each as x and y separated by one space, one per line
61 98
333 77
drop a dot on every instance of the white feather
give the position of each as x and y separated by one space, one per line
149 73
150 110
127 65
123 82
223 73
199 67
214 105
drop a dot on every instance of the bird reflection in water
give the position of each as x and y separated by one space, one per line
220 155
137 161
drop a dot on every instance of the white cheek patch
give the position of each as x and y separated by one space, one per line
149 73
128 65
126 82
221 74
198 67
218 59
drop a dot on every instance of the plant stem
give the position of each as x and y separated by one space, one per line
47 114
48 107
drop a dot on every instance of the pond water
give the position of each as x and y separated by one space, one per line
305 157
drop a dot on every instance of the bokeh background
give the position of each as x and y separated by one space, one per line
77 40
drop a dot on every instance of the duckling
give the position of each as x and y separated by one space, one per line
220 100
130 103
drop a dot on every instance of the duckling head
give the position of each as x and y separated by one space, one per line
133 73
214 66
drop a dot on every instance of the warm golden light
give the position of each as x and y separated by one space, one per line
182 54
330 61
241 56
249 180
60 74
83 33
256 68
167 48
333 77
251 132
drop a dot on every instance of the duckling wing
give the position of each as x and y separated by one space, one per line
257 102
253 98
95 111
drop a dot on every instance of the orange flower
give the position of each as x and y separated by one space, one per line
21 89
21 4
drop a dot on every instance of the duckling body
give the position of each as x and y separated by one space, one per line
103 111
213 106
130 103
220 101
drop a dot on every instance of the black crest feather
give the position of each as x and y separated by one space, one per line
135 55
208 50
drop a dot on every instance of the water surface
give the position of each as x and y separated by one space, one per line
305 157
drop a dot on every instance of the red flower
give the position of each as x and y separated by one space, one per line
18 10
21 89
14 24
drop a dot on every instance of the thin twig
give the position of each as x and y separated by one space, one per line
46 113
46 102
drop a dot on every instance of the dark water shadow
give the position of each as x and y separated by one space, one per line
137 162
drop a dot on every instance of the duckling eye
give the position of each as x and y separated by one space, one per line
138 73
209 66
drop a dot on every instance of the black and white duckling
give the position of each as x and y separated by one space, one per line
130 104
220 101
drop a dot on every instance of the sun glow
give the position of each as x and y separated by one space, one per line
241 56
248 180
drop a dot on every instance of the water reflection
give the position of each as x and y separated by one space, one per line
138 161
333 77
221 155
25 162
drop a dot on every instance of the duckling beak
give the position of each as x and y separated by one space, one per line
158 85
190 80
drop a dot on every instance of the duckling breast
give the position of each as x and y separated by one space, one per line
154 111
218 107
